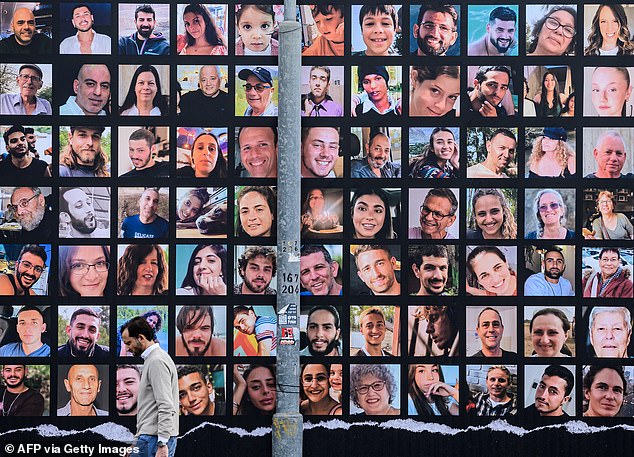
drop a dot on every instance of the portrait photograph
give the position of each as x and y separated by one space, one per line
28 214
550 152
254 331
433 330
607 152
28 331
549 214
607 29
493 390
608 92
254 389
607 391
606 272
201 390
201 212
202 92
257 29
491 271
255 211
375 269
375 152
30 82
606 331
551 30
491 331
255 272
549 271
435 30
201 331
256 91
155 315
493 30
147 24
377 32
433 213
85 270
434 152
432 390
39 139
322 91
82 390
374 331
84 212
27 29
85 28
83 333
143 212
142 269
548 331
37 378
376 92
323 28
561 383
369 383
491 152
25 269
322 213
491 214
201 269
85 151
143 151
550 88
375 212
144 90
320 331
608 214
202 29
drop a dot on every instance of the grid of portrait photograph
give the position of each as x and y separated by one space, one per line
466 232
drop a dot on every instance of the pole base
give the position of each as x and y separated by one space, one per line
287 432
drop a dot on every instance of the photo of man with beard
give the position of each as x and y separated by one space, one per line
144 41
83 333
323 332
78 212
195 325
17 398
127 389
19 163
499 39
33 213
490 86
436 29
550 282
29 267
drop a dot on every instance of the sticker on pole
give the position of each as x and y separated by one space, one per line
288 315
288 335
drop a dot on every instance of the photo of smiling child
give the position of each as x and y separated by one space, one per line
378 32
256 26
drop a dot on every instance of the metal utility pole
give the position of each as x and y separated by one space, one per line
287 421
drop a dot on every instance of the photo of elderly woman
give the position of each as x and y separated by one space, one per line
201 212
201 269
606 30
608 214
375 390
607 272
491 271
553 214
551 31
491 214
550 152
145 95
434 153
142 269
607 91
549 331
432 390
83 270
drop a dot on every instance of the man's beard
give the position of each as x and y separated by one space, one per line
196 352
34 221
253 288
127 410
331 347
145 32
499 48
77 352
550 275
19 277
19 154
82 226
428 50
18 384
376 163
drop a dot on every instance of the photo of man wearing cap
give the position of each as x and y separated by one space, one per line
375 102
550 156
30 79
258 91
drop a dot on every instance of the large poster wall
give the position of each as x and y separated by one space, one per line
467 210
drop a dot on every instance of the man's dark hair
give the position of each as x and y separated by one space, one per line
138 326
185 370
331 309
144 9
257 251
34 249
29 130
84 312
80 5
445 9
324 68
416 253
606 250
563 373
129 365
143 134
444 192
308 249
11 130
32 308
488 308
503 13
242 309
306 131
374 134
251 126
554 249
198 315
482 71
506 132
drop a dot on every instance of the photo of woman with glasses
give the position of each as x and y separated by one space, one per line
550 215
373 388
83 270
608 224
553 33
315 393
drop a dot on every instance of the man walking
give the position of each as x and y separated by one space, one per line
157 415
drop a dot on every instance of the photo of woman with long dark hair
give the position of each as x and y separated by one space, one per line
206 271
142 270
144 97
428 393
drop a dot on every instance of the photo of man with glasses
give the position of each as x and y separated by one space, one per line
29 81
437 215
258 91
